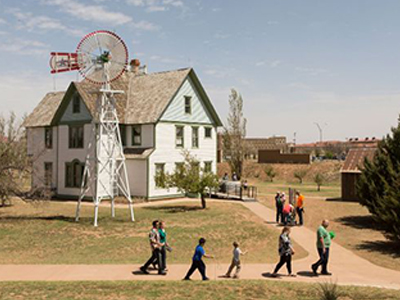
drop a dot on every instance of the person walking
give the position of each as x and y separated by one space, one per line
197 262
164 247
279 207
235 261
323 246
300 207
155 244
285 252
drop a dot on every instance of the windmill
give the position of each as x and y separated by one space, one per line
101 57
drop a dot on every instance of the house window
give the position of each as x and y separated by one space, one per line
160 172
76 136
208 166
136 135
208 132
76 104
74 173
179 140
122 131
195 137
48 137
188 105
48 174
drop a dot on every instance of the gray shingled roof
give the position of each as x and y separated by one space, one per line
43 114
145 98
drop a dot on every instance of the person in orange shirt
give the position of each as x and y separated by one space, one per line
300 207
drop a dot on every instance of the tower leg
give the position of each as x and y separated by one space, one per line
96 213
112 207
78 209
131 210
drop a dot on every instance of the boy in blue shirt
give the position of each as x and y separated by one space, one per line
197 262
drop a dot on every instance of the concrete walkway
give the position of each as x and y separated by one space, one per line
348 268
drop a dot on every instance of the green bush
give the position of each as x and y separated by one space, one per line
270 173
329 291
379 185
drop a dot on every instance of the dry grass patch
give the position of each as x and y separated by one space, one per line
47 233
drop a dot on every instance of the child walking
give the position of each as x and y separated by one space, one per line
235 261
197 262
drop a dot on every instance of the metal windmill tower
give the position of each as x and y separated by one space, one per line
101 57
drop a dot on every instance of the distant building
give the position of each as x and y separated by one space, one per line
253 145
351 170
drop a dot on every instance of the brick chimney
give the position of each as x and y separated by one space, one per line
135 64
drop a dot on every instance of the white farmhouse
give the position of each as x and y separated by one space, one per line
160 114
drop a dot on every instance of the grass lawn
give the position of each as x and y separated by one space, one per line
331 190
196 290
354 227
46 233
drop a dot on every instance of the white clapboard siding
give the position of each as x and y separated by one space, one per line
137 174
175 111
68 155
167 153
40 155
147 136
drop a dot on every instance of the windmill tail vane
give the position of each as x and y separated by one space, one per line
63 62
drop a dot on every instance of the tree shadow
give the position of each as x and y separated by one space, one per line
361 222
174 209
40 218
389 247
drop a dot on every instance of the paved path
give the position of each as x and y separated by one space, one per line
348 268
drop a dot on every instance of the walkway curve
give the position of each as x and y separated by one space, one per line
348 268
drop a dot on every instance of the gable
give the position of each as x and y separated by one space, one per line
175 112
66 114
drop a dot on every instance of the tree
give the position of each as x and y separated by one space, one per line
319 179
234 134
189 177
300 174
270 172
378 187
13 158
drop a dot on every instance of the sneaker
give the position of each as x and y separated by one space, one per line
235 277
274 275
186 278
227 276
326 273
162 273
205 279
314 270
144 271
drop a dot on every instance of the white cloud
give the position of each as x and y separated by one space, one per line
24 47
30 22
156 5
272 63
165 60
96 13
22 91
221 36
144 25
2 21
311 71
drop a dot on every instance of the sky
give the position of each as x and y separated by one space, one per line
295 63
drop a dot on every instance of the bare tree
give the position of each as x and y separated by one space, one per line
13 158
235 132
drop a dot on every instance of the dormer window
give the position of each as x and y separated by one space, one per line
76 104
188 105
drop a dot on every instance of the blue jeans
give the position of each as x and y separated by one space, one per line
323 260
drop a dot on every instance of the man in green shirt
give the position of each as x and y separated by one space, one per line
323 246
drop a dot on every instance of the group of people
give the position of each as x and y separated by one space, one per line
234 177
286 213
159 248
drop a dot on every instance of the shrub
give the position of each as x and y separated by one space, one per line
319 179
300 174
329 291
270 173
